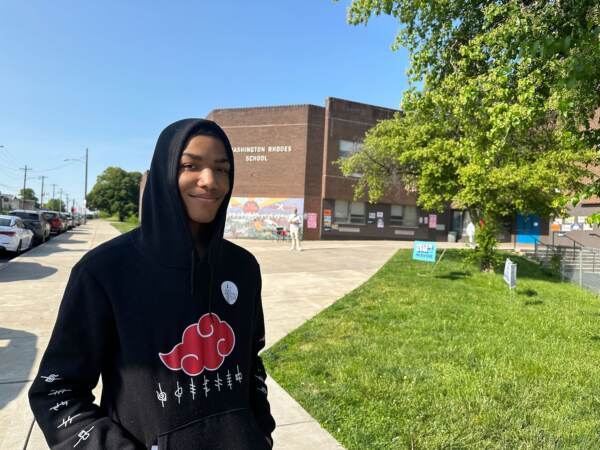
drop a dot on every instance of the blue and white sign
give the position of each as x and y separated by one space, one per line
510 273
424 251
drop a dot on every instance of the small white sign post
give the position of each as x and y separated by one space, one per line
510 274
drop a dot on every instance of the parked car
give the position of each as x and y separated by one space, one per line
72 223
77 220
56 223
14 235
36 222
65 219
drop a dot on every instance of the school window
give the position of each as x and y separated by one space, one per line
349 212
348 148
404 215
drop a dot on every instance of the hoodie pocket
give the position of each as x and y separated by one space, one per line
233 430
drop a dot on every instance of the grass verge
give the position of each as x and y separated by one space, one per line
450 361
124 227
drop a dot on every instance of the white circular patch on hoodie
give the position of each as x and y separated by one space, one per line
230 291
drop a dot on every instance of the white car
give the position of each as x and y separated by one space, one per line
14 236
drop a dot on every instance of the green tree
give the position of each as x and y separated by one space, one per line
497 119
29 194
55 204
116 192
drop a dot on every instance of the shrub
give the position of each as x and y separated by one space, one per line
484 252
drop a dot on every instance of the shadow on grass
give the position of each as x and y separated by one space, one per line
454 275
528 293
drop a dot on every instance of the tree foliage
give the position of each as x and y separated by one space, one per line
116 192
497 119
55 204
29 194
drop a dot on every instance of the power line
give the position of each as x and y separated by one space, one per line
62 166
8 153
8 174
6 159
5 163
10 187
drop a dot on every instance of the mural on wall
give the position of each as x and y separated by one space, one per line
260 217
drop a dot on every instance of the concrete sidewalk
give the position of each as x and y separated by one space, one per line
296 286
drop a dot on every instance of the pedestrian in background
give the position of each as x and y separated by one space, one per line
295 221
471 233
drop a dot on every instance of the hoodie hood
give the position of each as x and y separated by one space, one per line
165 233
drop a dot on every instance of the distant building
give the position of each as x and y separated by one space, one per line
285 159
9 202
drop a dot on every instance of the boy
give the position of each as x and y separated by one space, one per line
169 314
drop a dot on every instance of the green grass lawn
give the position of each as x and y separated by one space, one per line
124 227
450 361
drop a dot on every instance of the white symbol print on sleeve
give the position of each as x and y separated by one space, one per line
178 393
51 378
68 421
262 389
218 382
238 374
192 389
205 387
83 435
161 396
229 291
229 380
58 391
58 405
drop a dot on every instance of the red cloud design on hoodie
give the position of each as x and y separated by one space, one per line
204 345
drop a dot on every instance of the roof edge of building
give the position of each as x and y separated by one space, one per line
385 108
245 108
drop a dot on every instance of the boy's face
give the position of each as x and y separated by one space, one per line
203 177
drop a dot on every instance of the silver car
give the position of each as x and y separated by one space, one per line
14 236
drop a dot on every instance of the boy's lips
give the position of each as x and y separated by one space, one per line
204 197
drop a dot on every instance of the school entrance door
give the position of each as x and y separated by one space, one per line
528 228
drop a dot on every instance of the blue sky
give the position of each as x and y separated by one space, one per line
111 75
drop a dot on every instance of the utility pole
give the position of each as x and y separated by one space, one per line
60 204
24 186
85 183
67 204
85 191
43 177
53 189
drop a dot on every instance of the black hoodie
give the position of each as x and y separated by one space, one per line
175 337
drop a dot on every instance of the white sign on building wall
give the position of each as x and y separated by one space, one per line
261 153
